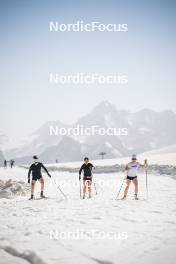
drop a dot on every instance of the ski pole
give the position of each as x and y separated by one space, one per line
146 182
95 189
80 189
58 187
94 185
120 187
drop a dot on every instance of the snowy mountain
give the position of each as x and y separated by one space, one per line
37 142
3 141
1 158
147 130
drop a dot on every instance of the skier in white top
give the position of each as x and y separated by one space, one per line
132 171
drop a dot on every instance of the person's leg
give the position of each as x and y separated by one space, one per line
42 186
32 188
84 188
128 182
135 182
89 188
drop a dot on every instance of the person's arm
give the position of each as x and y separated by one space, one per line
45 169
126 167
29 173
145 165
80 171
92 167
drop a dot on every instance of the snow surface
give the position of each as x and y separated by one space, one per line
43 231
159 157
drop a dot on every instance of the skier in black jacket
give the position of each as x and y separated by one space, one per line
35 168
87 177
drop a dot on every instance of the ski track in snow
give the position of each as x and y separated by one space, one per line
150 224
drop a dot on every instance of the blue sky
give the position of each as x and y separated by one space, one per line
29 52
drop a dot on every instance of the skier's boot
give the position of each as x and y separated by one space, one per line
135 196
90 196
42 195
84 196
124 197
32 197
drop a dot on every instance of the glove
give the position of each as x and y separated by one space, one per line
28 180
49 175
79 177
145 164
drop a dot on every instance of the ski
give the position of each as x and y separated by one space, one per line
39 198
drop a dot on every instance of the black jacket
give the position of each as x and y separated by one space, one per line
87 169
35 168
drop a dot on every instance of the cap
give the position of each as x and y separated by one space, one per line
134 157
